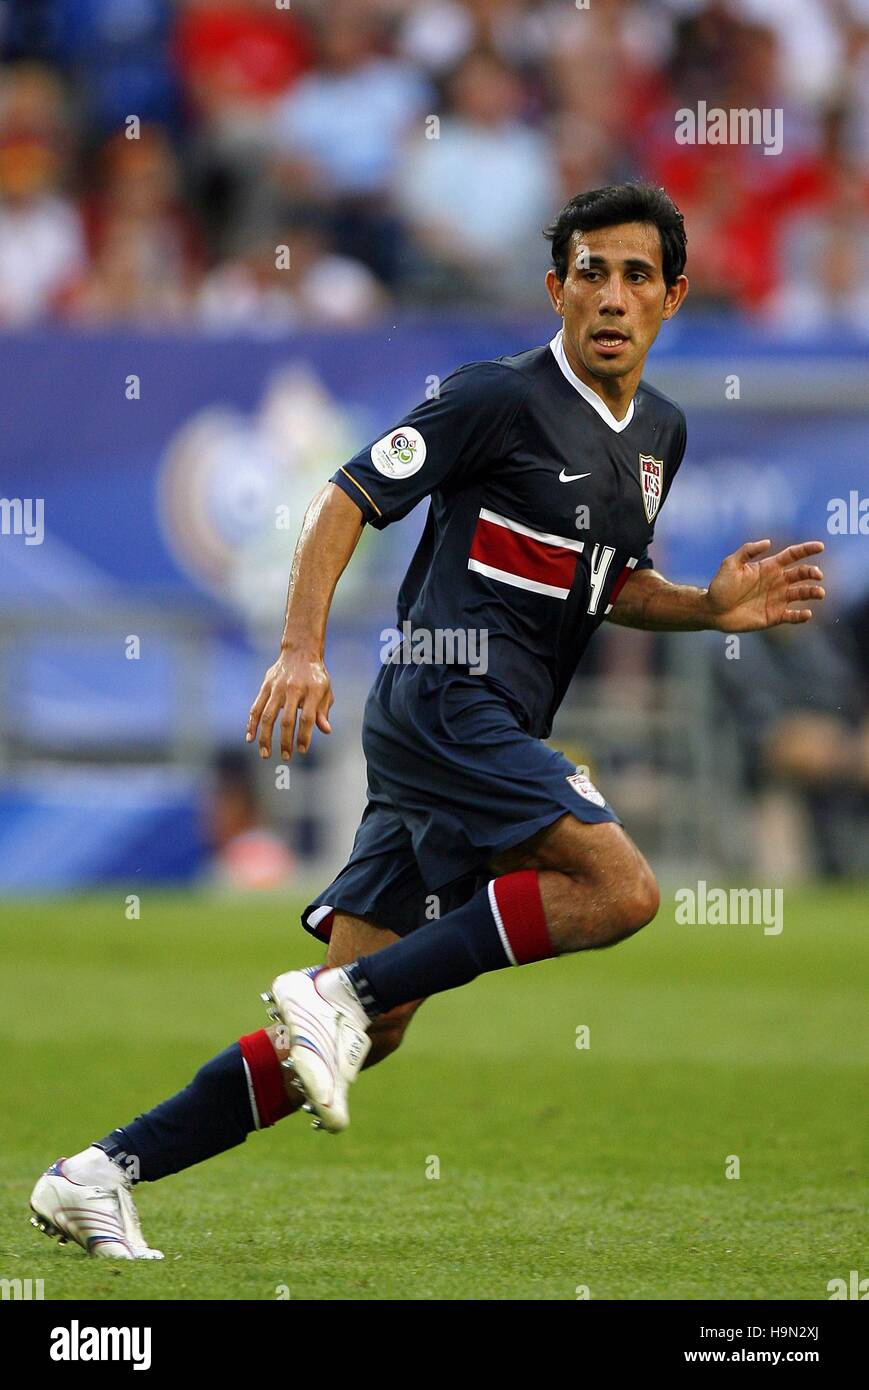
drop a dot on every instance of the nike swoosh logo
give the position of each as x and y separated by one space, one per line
571 477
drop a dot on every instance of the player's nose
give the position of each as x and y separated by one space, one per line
612 298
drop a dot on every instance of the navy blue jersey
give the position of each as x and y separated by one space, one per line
542 503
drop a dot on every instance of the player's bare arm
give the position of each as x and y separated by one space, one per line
297 686
751 591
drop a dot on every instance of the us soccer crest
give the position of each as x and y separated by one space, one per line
652 480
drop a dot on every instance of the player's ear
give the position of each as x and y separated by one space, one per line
674 296
555 290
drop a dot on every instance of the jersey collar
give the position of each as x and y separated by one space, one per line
594 400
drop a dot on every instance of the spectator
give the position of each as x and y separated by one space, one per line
145 249
823 250
438 36
289 278
42 251
234 61
338 134
606 66
477 195
315 110
853 85
826 270
117 54
801 721
584 155
808 50
733 196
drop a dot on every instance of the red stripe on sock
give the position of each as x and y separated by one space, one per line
267 1075
522 916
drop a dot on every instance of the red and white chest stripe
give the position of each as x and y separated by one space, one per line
513 553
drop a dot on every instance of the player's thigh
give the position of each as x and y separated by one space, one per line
357 936
603 855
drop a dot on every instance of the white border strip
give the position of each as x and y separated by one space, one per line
253 1108
517 581
316 917
493 903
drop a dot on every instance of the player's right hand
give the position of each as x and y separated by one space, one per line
297 687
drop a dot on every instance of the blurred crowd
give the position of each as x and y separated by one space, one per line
798 702
260 163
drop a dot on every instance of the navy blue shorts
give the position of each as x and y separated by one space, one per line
452 781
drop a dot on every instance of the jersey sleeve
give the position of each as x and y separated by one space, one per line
447 439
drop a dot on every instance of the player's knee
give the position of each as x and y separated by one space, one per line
638 902
632 898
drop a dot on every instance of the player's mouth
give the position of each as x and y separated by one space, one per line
610 341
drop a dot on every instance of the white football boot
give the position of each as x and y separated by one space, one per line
87 1199
328 1038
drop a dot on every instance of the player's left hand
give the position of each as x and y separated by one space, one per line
753 590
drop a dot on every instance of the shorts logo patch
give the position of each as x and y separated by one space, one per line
583 784
652 479
400 454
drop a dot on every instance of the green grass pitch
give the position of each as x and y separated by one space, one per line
561 1168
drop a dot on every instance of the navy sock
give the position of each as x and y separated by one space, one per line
502 925
210 1115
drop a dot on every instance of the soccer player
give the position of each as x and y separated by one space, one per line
546 472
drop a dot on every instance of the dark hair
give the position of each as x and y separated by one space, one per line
621 202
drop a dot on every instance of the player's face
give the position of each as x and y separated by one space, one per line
614 298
